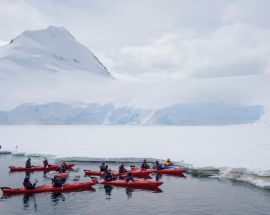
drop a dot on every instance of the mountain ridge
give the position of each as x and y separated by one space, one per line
50 49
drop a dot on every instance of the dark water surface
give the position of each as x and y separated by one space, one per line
179 196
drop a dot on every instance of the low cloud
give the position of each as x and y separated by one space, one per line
230 50
18 16
2 43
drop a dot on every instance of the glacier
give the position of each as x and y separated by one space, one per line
98 114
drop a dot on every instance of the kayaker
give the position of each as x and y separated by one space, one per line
158 166
109 176
145 165
45 163
57 181
28 185
28 163
129 177
168 162
63 168
122 168
103 167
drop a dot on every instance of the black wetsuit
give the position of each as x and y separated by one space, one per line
122 169
28 185
158 166
63 168
109 177
103 168
129 178
45 163
145 165
28 164
57 182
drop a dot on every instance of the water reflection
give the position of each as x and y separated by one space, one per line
45 175
158 177
108 191
27 174
143 177
56 197
27 199
129 192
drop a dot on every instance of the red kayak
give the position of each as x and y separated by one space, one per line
135 184
138 173
37 168
65 188
170 171
97 173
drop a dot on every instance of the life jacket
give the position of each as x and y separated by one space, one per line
168 163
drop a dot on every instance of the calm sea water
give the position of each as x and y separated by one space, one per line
178 196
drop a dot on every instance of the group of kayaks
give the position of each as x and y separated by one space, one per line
136 173
139 173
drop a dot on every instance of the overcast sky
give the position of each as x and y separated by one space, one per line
175 39
168 51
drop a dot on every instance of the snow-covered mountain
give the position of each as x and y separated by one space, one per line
50 67
48 50
97 114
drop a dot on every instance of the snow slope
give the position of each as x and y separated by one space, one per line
49 50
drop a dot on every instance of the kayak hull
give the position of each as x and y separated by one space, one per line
38 168
65 188
135 184
96 173
170 171
135 173
138 173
